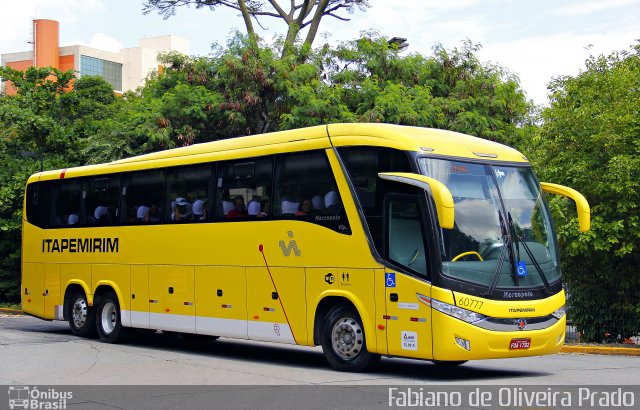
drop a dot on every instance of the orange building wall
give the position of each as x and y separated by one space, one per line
16 65
67 63
47 40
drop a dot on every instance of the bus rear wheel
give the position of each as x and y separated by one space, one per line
108 319
343 341
81 316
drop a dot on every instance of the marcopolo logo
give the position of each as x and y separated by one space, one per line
25 397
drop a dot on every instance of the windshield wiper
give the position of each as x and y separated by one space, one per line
520 240
506 247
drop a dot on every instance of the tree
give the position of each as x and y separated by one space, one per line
450 90
300 14
247 88
589 140
49 119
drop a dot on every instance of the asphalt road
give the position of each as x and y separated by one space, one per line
33 351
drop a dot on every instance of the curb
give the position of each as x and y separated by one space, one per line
605 350
10 311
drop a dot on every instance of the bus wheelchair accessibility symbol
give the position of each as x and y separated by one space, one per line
522 269
390 280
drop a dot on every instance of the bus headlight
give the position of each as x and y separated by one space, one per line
457 312
559 312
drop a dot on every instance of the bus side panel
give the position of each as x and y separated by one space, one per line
171 298
291 284
139 296
118 278
32 290
76 273
221 301
356 285
267 319
52 299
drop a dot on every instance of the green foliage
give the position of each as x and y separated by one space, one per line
49 121
249 89
589 140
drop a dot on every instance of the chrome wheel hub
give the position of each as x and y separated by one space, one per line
347 338
79 313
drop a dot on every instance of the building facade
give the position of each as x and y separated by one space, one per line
125 70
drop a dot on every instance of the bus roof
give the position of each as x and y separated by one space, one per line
426 140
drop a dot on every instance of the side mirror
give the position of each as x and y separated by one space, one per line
441 194
584 212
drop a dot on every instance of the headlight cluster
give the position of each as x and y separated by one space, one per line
559 312
457 312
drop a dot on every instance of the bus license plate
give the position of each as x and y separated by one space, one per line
519 344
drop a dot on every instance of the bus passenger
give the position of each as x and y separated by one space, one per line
253 209
73 219
101 215
265 208
331 203
142 214
154 214
182 211
227 206
318 203
289 207
239 209
199 210
305 208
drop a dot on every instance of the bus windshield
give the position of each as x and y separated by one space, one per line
502 236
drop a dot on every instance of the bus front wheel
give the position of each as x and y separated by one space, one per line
81 316
108 320
343 341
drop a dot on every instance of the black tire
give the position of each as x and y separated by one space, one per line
108 320
449 363
81 316
343 341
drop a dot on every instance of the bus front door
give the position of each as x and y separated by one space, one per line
408 319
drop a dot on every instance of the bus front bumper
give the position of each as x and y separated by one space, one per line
454 340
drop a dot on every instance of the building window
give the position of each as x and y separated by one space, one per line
110 71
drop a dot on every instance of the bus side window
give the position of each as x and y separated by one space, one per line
142 197
363 165
67 202
244 189
102 200
188 194
306 190
39 204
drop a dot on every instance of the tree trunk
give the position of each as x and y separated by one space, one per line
315 23
247 18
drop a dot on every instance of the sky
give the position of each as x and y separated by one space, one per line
535 39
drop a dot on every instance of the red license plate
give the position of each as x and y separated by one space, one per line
519 344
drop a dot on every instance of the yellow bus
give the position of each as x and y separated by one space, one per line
367 239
